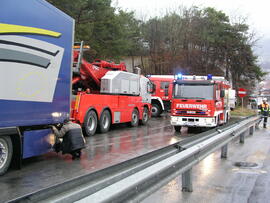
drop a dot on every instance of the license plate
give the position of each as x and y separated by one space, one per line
190 123
191 112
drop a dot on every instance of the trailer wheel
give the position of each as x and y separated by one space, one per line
105 121
145 116
177 128
6 151
156 110
90 123
134 118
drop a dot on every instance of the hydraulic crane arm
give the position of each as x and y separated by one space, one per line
90 73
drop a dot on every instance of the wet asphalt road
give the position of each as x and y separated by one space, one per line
217 180
103 150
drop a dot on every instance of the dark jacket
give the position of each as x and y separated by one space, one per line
72 137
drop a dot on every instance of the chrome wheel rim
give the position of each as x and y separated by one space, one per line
145 116
154 110
105 122
3 152
91 123
135 118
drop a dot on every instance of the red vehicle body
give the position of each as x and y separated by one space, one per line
162 95
95 110
200 101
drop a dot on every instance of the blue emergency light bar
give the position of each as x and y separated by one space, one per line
209 77
179 76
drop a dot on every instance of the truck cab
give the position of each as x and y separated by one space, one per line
162 94
199 101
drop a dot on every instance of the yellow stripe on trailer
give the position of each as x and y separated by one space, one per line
19 29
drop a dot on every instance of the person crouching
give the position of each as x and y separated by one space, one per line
73 140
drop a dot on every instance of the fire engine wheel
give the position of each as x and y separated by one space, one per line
145 116
218 120
90 123
177 128
6 152
227 118
156 110
134 118
105 121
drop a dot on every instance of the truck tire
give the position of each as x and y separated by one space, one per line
6 151
177 128
134 118
227 118
218 121
105 121
145 116
156 110
90 123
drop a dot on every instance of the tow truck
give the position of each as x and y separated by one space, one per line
107 94
200 101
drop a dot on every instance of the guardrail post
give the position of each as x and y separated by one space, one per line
251 130
224 151
187 181
242 137
257 124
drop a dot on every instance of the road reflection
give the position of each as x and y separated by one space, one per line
207 166
103 150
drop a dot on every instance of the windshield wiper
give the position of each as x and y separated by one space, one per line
190 97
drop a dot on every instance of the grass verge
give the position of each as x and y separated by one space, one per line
245 112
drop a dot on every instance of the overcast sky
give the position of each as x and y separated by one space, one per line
257 12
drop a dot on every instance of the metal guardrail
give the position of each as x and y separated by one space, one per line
139 177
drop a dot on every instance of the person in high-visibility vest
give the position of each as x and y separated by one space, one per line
264 107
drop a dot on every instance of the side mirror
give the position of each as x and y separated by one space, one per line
222 93
151 87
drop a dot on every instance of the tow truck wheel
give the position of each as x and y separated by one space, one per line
145 116
134 118
105 121
6 152
90 123
177 128
156 110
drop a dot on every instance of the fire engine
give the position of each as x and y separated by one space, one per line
162 93
106 94
200 101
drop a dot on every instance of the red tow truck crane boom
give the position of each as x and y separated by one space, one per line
106 94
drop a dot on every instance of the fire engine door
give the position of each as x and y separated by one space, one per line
165 87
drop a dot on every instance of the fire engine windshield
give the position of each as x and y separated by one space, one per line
194 91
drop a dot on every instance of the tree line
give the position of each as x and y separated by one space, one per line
188 40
